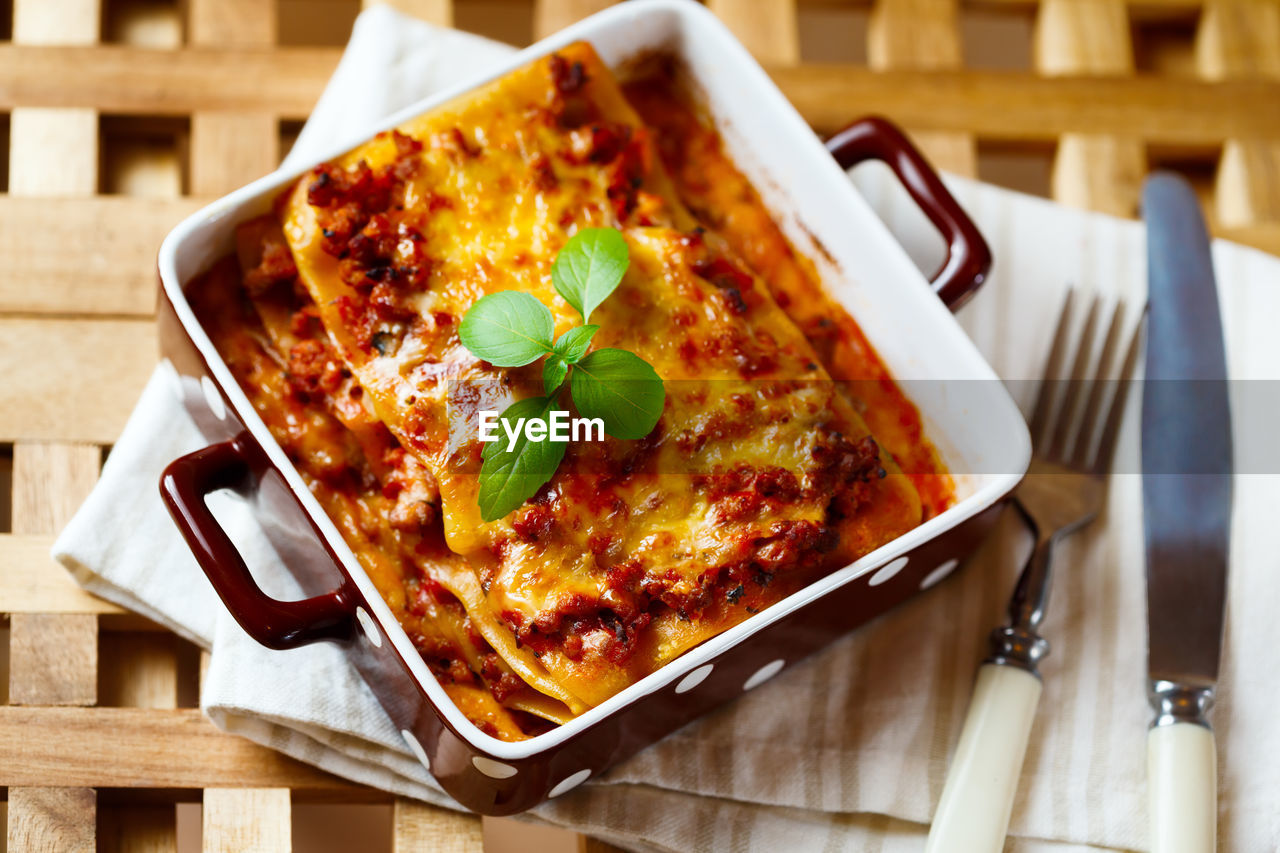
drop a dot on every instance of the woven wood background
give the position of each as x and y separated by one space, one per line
121 116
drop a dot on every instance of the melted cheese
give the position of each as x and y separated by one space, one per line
758 475
332 444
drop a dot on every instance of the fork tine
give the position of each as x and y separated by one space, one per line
1060 446
1089 420
1045 394
1111 432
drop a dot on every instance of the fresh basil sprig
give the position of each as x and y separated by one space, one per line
508 329
589 267
620 388
513 329
510 477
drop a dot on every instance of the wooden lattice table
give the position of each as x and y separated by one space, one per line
125 115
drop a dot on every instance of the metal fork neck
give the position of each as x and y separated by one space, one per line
1031 595
1018 643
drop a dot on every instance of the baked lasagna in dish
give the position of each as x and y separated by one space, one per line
784 449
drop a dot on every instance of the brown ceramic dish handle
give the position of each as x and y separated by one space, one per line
239 465
968 257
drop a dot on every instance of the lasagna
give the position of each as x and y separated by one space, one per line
784 450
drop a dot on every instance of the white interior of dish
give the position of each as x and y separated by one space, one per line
913 332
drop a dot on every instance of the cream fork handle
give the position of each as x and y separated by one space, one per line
973 814
1182 787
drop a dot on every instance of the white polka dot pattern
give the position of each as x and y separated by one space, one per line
888 572
568 783
764 673
370 629
493 769
694 678
939 573
416 748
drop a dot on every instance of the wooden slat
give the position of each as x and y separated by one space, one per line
56 21
52 819
112 269
768 28
54 152
1023 107
1180 8
512 835
31 582
923 35
146 748
138 670
66 136
998 105
53 659
49 484
229 149
246 820
552 15
438 12
1248 185
1264 235
1158 9
119 79
72 380
418 826
237 23
1091 37
1241 39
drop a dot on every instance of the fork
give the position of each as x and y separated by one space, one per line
1062 492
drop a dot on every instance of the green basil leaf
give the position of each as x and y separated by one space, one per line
573 343
621 389
508 478
507 329
553 373
589 267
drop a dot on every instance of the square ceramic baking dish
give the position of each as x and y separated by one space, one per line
972 420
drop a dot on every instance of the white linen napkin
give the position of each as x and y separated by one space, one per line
849 750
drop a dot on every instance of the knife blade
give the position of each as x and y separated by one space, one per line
1186 442
1187 494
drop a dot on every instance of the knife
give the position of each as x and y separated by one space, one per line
1186 494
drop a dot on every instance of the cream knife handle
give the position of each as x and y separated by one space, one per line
973 814
1182 787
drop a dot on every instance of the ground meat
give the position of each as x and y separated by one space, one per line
569 76
501 681
534 523
844 469
627 172
791 543
313 369
275 268
597 143
544 175
415 515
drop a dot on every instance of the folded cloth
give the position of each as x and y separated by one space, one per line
847 751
